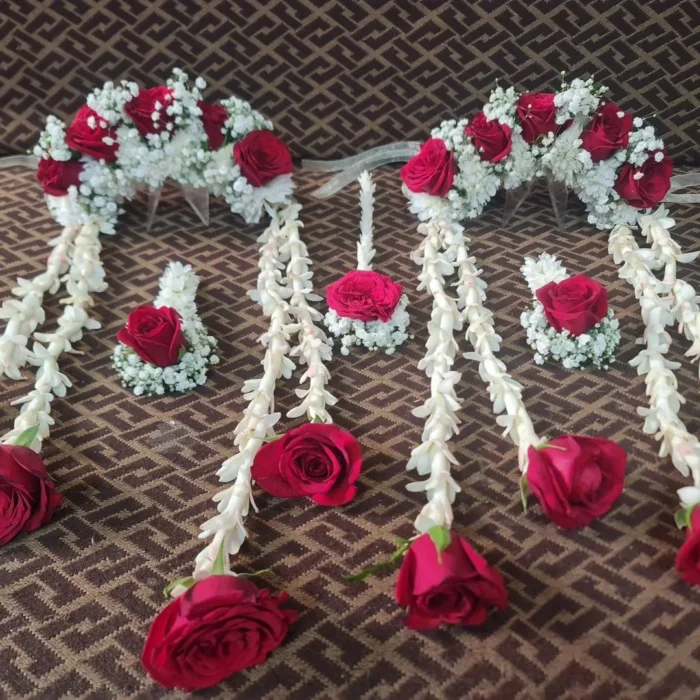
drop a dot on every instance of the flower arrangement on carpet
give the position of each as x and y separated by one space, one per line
366 307
570 321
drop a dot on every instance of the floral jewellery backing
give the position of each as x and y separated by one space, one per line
366 307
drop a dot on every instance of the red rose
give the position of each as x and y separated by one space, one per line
432 171
57 176
454 587
27 496
577 479
155 334
688 557
538 115
653 185
607 133
213 119
220 626
575 305
86 135
262 156
364 295
318 460
140 110
491 138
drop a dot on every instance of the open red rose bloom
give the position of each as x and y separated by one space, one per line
155 334
576 304
365 295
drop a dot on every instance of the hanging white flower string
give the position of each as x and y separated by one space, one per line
365 246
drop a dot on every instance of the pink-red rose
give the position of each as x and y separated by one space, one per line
365 295
56 176
140 110
220 626
649 189
491 138
27 496
317 460
688 557
538 115
87 136
454 587
432 171
262 157
155 334
213 119
574 305
607 133
576 479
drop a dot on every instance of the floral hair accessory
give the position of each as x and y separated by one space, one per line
570 321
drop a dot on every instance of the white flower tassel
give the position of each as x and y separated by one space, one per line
365 246
661 418
433 457
23 315
85 276
178 290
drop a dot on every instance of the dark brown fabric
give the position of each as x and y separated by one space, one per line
341 76
598 613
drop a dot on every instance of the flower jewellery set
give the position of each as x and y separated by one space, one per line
127 138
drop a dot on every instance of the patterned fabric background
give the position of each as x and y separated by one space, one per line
595 614
343 75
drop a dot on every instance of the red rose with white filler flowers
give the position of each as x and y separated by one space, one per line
155 334
432 171
491 138
87 136
56 176
645 187
607 133
153 101
214 118
365 295
538 115
688 557
262 157
576 304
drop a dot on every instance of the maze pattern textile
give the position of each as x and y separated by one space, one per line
342 76
598 613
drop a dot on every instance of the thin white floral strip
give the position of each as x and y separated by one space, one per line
433 457
365 246
504 391
226 529
23 315
661 418
85 276
178 290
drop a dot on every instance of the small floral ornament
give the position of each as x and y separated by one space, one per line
570 321
366 307
166 347
688 557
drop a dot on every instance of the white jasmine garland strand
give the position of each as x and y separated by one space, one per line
661 418
365 246
23 315
85 276
433 457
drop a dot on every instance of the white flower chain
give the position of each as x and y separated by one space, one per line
85 276
365 246
23 315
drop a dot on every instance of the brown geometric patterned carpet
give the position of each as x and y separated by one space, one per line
598 613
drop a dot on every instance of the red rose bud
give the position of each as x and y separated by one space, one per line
455 586
432 171
220 626
27 496
576 479
317 460
364 295
645 187
491 138
213 119
607 133
262 157
688 557
575 305
538 115
56 176
155 334
140 110
86 135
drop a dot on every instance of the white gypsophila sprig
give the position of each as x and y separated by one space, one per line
578 99
365 246
661 419
547 268
433 456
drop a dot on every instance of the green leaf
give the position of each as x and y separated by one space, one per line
27 437
682 517
218 568
181 352
549 446
273 438
187 582
259 572
441 538
524 491
374 568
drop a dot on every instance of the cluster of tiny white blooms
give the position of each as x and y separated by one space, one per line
52 141
226 529
24 314
374 335
579 99
643 141
504 391
433 456
250 202
547 268
565 159
501 105
109 100
243 118
594 347
661 418
85 275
